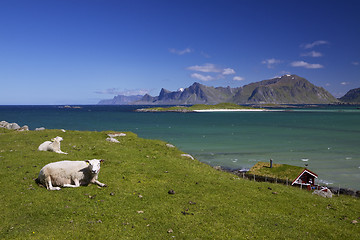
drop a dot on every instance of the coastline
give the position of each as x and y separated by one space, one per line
231 110
222 138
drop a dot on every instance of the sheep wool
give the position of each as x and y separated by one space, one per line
70 174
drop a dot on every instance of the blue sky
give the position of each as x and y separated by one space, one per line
81 51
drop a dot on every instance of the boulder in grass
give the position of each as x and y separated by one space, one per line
10 126
325 192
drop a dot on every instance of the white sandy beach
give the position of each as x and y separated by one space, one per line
231 110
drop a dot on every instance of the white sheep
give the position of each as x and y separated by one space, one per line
70 174
52 146
111 139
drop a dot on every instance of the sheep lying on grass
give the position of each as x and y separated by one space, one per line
52 146
70 174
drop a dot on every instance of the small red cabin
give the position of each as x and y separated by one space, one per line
305 178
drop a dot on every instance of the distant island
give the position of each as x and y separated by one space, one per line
201 108
287 89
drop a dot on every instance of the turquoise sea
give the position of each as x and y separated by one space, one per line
327 138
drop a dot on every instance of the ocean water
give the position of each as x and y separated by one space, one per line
327 139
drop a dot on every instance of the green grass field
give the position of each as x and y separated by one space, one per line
207 204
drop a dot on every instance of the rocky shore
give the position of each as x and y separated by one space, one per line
13 126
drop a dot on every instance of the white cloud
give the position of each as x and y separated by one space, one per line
214 72
207 67
180 52
228 71
355 63
312 54
238 78
306 65
125 92
344 83
314 44
271 62
202 77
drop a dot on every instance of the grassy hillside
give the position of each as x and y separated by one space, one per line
207 204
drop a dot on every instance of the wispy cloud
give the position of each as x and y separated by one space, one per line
314 44
205 55
213 72
238 78
306 65
228 71
125 92
355 63
345 83
311 54
271 62
180 52
207 67
202 77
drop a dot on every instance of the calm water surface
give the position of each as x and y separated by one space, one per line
327 139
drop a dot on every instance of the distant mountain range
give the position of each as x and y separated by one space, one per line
121 100
288 89
352 96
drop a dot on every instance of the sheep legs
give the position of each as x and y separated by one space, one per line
76 184
49 186
100 184
61 152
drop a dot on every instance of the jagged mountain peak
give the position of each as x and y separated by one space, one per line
352 96
287 89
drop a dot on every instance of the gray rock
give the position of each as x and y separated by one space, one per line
11 126
326 193
24 128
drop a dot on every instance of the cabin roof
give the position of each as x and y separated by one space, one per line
281 171
305 171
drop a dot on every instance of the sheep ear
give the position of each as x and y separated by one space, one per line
87 162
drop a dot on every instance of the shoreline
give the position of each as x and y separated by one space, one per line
231 110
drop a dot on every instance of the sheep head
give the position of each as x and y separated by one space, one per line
94 165
58 139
